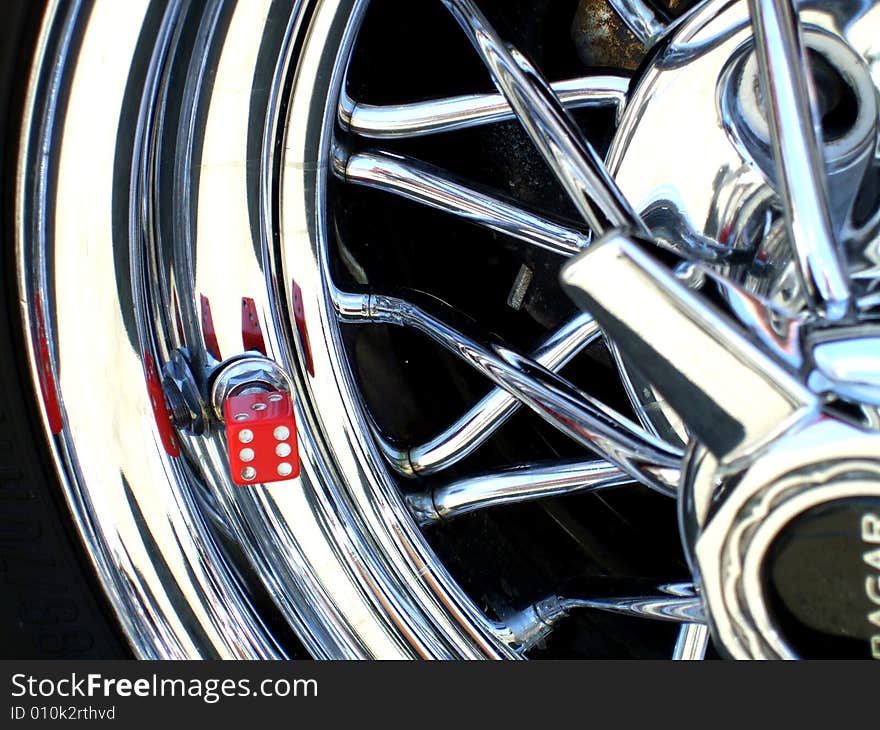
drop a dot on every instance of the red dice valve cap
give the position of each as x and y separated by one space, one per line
261 437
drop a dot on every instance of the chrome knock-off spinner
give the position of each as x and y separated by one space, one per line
784 466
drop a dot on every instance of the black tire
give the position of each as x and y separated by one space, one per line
50 605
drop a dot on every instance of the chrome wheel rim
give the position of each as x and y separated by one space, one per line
158 552
233 175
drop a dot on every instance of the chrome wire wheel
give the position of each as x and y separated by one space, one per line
301 183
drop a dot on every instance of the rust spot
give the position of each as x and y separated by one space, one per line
602 39
679 7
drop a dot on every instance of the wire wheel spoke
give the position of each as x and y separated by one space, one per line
680 605
641 455
641 18
450 114
478 423
451 329
798 156
575 163
431 186
623 456
519 484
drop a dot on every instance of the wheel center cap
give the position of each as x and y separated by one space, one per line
783 540
822 579
788 550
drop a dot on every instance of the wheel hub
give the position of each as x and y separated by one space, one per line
780 498
785 548
709 190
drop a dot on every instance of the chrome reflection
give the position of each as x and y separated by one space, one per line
716 188
460 112
193 239
167 577
731 395
512 486
572 158
475 426
641 19
686 607
158 240
428 185
799 165
638 453
676 602
692 642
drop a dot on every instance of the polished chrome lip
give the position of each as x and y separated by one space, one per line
337 549
225 619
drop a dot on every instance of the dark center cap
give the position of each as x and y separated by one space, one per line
822 578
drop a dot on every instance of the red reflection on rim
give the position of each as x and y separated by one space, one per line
251 332
299 316
160 408
48 387
208 331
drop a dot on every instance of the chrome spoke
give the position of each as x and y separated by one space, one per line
692 642
399 121
641 19
425 184
680 608
526 628
573 160
520 484
677 603
727 391
470 431
798 156
587 421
